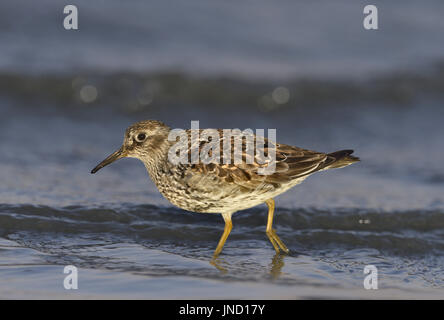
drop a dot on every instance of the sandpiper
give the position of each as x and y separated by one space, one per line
219 187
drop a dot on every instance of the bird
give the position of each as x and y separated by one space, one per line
222 185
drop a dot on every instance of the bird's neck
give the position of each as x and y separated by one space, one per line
157 162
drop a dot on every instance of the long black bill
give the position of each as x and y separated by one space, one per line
110 159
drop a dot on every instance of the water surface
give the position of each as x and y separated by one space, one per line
380 94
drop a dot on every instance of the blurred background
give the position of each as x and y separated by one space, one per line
306 68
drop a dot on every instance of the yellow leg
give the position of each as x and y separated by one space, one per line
271 233
227 230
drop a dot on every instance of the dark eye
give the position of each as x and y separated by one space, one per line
140 137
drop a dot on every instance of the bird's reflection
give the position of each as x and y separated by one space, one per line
217 263
276 265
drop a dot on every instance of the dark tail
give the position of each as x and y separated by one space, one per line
342 158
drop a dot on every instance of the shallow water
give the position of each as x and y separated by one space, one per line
351 90
252 39
129 242
164 253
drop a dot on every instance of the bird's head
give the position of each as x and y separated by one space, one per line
143 140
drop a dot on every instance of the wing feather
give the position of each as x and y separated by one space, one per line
291 163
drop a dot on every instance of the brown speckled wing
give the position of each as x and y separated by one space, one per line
291 163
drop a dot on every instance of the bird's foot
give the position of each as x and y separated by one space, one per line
276 241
